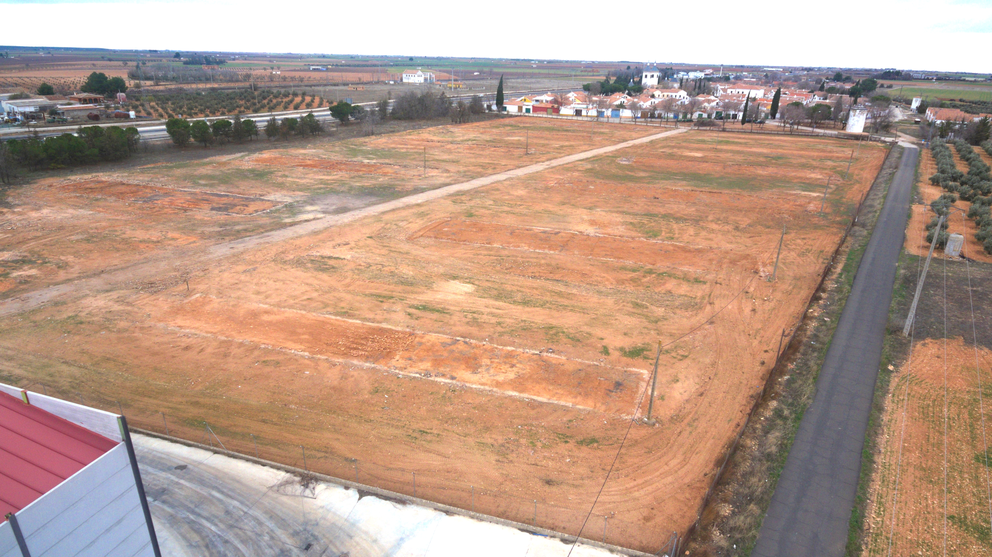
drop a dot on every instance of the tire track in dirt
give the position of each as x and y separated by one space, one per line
176 260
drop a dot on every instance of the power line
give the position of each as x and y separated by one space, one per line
978 374
936 234
905 402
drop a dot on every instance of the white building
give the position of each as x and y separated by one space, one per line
69 481
747 90
856 120
411 76
650 77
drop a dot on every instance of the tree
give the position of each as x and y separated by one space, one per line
978 132
46 89
382 109
177 55
238 129
271 128
475 105
341 111
179 130
818 113
747 103
838 76
838 111
499 95
96 83
6 163
288 127
200 132
880 113
222 129
114 85
868 85
251 128
777 98
793 114
310 125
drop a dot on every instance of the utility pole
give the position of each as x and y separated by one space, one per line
527 147
654 381
923 278
849 164
425 162
780 241
824 200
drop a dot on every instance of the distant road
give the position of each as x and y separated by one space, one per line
154 130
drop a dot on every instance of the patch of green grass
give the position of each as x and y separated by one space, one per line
635 352
605 350
587 442
978 530
984 458
428 308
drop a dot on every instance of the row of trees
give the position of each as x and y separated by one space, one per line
183 132
89 145
974 186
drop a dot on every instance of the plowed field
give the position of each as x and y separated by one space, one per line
486 349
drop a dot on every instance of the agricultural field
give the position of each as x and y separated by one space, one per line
488 348
950 91
930 489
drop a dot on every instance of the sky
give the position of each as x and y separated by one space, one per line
935 35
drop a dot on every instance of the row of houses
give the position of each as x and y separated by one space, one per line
727 103
36 107
941 115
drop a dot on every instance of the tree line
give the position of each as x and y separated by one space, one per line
974 186
89 145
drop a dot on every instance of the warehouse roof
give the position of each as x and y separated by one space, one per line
38 451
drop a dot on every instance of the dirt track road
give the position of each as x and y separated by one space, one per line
176 263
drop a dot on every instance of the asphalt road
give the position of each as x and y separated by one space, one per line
811 506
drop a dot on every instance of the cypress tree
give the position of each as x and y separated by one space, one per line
499 95
746 103
775 101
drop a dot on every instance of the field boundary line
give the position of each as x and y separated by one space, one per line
425 333
382 368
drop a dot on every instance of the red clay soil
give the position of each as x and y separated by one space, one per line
913 454
169 199
499 360
349 167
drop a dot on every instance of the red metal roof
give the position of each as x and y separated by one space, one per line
38 451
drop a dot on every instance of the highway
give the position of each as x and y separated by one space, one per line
154 130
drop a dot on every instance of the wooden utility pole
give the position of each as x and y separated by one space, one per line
923 278
849 165
654 381
780 241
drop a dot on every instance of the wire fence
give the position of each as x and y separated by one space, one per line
424 483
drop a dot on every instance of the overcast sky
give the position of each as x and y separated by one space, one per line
948 35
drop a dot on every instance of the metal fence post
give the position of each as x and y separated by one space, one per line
356 470
414 484
254 443
535 512
473 498
119 407
165 423
304 458
605 520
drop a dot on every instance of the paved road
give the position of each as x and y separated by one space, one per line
812 504
170 263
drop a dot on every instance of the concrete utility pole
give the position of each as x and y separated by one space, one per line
923 278
654 381
849 165
780 242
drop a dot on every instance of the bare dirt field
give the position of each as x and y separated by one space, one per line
913 455
487 349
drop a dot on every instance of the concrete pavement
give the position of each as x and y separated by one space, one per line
812 504
209 505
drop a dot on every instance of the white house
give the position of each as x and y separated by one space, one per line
650 77
410 76
747 90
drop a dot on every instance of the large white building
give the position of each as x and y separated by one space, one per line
418 76
650 77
